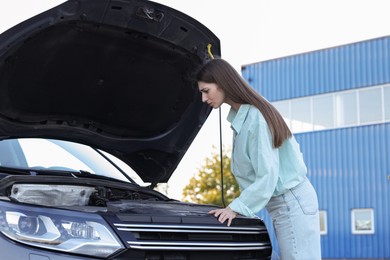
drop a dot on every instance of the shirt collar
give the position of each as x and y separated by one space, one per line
237 118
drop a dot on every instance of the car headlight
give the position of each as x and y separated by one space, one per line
67 231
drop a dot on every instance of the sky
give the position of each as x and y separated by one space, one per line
251 31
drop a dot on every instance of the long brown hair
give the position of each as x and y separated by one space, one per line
236 89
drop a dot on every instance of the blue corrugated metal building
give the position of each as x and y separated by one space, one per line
337 103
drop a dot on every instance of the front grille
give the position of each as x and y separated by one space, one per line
191 237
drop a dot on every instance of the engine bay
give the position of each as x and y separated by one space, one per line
54 191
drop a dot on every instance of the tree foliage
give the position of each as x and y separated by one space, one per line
205 186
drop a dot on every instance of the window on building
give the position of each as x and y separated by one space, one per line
386 99
323 112
370 105
363 221
301 115
323 223
284 109
355 107
346 107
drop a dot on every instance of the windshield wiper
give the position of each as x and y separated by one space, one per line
87 174
115 165
12 170
34 171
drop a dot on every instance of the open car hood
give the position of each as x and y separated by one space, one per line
115 75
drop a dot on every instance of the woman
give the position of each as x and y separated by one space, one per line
266 162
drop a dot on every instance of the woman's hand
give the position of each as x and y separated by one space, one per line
224 214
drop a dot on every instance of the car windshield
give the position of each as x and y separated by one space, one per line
56 155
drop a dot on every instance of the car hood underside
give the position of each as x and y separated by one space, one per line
115 75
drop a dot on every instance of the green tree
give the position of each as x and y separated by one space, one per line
205 186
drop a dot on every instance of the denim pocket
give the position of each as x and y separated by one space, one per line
306 197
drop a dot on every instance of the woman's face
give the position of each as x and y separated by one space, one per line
211 94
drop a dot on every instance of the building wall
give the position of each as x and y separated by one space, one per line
350 166
350 169
350 66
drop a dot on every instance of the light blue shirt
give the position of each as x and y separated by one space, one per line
261 170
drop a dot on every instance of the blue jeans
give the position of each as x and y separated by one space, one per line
296 222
